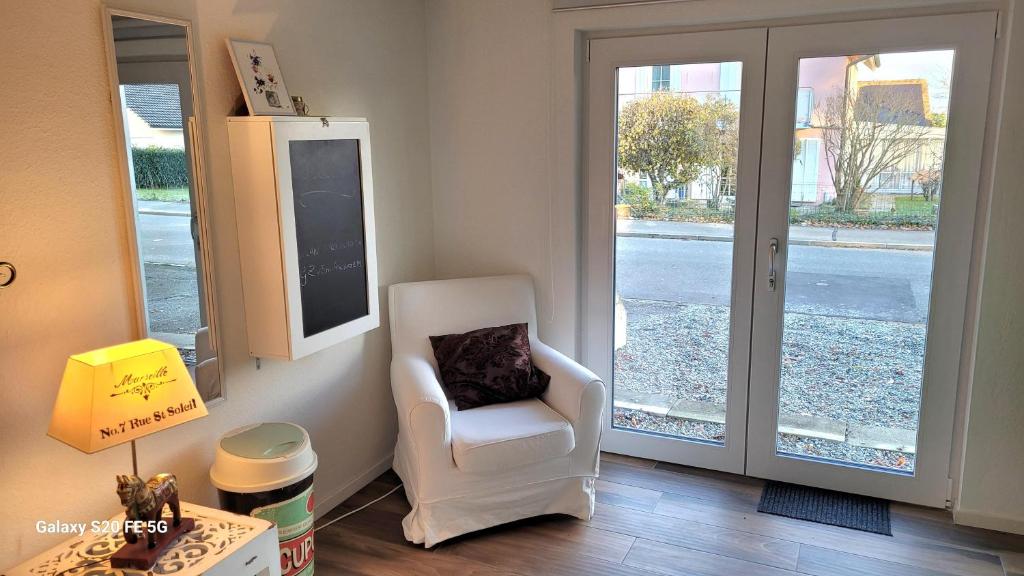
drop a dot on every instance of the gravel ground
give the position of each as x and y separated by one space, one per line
852 370
675 349
841 451
639 420
857 371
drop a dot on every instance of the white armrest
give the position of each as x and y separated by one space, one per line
578 395
422 407
574 391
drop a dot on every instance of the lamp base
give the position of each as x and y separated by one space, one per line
140 556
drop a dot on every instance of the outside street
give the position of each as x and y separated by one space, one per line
873 284
170 270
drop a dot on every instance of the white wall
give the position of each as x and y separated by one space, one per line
993 486
63 227
490 118
498 68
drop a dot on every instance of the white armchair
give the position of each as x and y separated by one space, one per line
472 469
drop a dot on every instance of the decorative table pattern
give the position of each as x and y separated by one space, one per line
217 537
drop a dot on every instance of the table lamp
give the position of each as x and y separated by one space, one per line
118 394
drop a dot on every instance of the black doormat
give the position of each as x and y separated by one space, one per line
826 507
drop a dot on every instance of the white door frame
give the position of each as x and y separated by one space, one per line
972 36
606 56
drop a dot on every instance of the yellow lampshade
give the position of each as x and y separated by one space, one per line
117 394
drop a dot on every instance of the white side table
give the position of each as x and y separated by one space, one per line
222 544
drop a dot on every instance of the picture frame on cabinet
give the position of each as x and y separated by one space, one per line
260 78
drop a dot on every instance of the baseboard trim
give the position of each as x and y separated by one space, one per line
988 521
327 503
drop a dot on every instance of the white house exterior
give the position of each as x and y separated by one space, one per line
153 114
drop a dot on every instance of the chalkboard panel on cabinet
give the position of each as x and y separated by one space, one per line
328 201
304 210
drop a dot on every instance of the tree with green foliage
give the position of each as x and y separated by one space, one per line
663 138
719 119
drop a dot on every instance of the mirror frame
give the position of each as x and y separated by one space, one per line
195 142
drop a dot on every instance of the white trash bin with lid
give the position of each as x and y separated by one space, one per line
266 470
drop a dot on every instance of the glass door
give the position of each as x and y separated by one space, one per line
675 126
871 159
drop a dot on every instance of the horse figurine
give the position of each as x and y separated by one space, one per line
145 502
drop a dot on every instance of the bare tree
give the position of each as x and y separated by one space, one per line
929 179
866 135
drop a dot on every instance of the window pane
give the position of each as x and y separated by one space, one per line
675 205
867 173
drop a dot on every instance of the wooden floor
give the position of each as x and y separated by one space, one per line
656 518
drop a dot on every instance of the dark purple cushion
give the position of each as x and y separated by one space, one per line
488 366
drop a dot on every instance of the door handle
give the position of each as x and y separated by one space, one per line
773 251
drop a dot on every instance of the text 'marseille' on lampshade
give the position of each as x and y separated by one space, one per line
117 394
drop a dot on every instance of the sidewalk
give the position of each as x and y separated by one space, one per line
798 235
157 208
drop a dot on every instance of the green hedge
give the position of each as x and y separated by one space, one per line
641 203
882 220
159 167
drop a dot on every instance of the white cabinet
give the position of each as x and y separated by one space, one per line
304 211
221 544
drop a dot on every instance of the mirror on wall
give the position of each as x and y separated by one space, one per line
157 106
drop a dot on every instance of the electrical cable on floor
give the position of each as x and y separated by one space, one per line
351 512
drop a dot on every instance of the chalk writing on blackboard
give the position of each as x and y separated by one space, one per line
329 232
313 271
305 195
